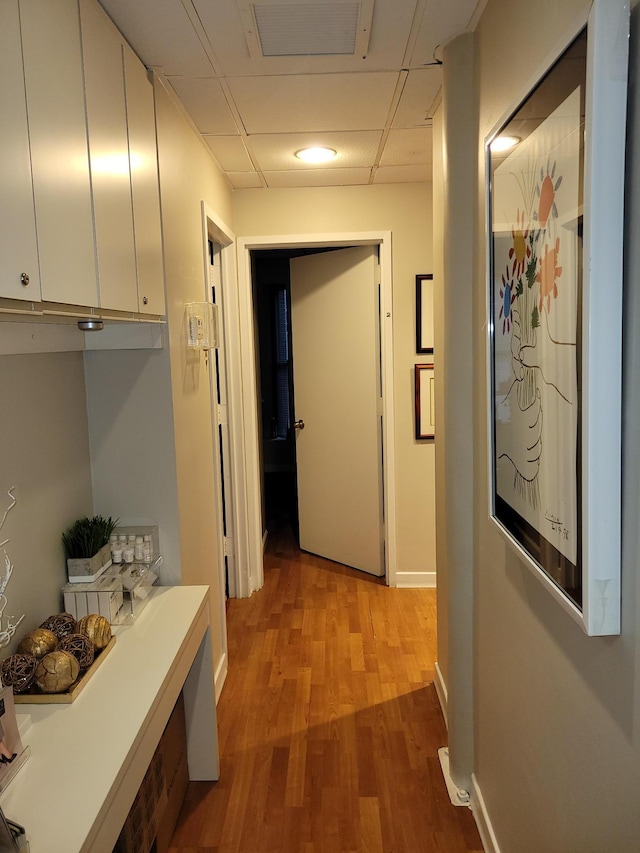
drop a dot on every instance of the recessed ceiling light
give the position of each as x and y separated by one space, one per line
504 143
316 155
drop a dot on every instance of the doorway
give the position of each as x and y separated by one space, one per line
271 288
247 380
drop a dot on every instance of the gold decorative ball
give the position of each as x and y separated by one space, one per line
38 643
62 624
57 671
96 628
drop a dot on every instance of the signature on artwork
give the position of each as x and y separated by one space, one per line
556 524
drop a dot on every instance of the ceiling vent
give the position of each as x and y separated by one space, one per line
307 28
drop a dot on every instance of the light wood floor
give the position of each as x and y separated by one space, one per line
329 722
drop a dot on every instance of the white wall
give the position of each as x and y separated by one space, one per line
405 209
44 453
557 721
133 460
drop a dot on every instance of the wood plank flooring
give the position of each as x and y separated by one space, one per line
329 722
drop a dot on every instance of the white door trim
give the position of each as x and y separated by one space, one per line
242 378
215 229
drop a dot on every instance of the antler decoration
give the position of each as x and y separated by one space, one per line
7 624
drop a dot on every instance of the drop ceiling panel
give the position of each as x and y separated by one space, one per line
319 178
244 180
276 152
161 34
441 21
407 147
314 102
222 22
230 153
402 174
418 97
205 102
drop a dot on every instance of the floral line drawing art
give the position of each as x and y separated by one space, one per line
536 243
528 290
555 197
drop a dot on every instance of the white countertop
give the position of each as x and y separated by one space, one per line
88 758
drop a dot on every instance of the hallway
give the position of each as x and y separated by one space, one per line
329 722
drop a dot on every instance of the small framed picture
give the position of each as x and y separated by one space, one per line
425 408
424 313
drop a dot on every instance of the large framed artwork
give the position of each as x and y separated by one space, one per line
555 214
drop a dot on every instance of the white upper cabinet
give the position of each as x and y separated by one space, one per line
91 137
60 164
19 274
143 158
109 158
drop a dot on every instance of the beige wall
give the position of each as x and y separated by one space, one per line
44 453
557 713
187 177
405 209
150 410
438 270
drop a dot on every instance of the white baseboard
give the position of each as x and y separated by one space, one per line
483 822
458 796
415 580
220 676
443 693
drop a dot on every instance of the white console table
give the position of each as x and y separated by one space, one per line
89 758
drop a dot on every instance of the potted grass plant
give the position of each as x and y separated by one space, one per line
86 547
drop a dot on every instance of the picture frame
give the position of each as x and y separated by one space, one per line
425 427
555 224
424 314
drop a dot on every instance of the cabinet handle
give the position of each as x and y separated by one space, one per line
24 278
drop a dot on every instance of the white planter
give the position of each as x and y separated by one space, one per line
87 569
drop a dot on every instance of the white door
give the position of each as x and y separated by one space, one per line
336 367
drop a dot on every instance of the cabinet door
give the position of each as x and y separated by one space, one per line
109 155
143 158
59 158
18 248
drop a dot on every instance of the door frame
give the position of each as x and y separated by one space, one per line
214 228
243 379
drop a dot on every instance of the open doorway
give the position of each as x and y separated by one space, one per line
271 286
244 378
272 299
318 323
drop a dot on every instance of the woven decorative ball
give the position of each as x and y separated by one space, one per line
57 671
80 647
62 624
38 643
97 628
19 671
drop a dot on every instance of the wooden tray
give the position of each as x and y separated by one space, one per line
38 698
